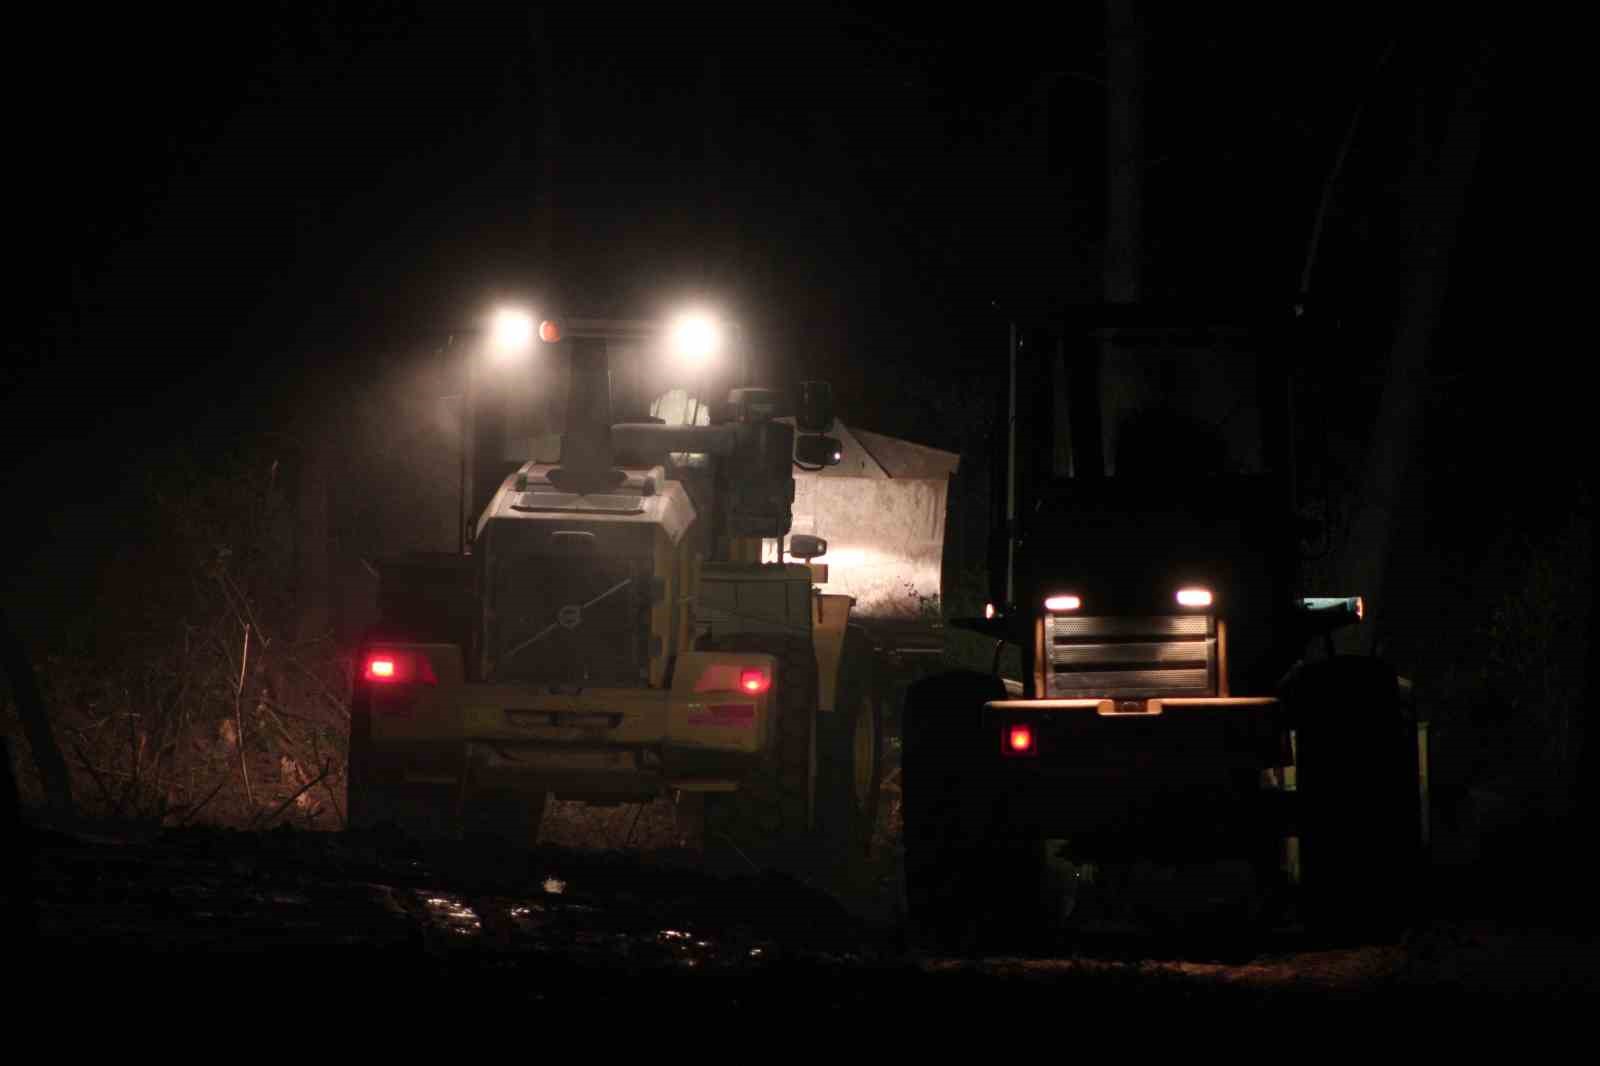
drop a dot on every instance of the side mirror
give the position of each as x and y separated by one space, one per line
805 546
816 451
814 413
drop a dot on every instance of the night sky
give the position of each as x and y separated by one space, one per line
214 217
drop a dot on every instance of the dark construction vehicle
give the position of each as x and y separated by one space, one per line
610 634
1171 756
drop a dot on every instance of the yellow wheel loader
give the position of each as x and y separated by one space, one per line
609 634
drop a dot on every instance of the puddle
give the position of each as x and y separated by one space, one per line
685 948
452 913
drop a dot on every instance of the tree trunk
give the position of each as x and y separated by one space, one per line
1585 820
1124 152
36 721
1123 254
312 573
1440 183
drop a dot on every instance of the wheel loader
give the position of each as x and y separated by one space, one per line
1182 750
608 632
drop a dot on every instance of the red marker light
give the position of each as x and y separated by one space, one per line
1020 739
549 331
398 668
754 682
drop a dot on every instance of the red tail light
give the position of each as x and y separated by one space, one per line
398 667
754 682
1019 740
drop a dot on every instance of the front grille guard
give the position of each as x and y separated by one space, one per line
1092 657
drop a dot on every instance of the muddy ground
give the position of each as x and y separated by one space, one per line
290 919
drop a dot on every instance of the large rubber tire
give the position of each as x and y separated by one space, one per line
1359 801
767 822
850 758
504 817
948 806
376 801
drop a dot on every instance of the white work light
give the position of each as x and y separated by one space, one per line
510 333
696 338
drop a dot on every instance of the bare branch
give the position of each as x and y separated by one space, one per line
244 601
105 793
238 714
266 705
279 710
331 696
136 741
284 805
316 749
209 797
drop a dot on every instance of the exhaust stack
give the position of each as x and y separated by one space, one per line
587 461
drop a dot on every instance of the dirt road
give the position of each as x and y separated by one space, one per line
289 916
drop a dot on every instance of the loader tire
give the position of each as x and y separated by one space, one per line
1359 802
767 822
850 759
948 807
506 818
376 799
416 812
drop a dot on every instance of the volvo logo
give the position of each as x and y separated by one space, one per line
569 616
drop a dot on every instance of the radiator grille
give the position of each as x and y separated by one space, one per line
1162 655
569 619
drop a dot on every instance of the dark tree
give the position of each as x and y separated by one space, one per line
35 720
